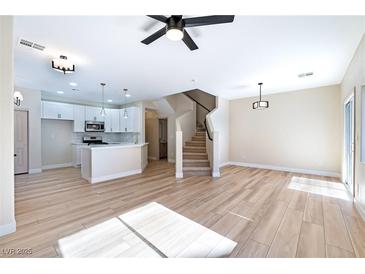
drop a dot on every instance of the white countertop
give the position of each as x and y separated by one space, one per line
114 146
85 144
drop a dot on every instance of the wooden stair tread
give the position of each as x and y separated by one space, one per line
195 160
196 168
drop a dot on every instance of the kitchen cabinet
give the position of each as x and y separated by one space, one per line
112 120
93 114
130 124
79 118
76 154
56 110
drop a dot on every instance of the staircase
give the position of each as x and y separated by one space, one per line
195 157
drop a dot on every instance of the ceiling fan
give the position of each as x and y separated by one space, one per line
175 27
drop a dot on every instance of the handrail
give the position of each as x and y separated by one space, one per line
205 120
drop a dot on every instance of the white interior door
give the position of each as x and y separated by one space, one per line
21 141
349 142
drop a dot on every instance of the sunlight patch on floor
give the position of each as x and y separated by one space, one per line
320 187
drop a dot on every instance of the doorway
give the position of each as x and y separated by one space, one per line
21 150
349 127
162 138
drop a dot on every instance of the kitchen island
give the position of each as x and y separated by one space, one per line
101 163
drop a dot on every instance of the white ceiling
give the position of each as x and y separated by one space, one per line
230 61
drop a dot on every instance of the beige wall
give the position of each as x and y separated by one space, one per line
301 130
152 134
56 143
355 79
7 214
32 103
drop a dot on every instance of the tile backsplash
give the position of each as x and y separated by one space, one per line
125 137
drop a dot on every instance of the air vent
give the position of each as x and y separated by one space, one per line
30 44
306 74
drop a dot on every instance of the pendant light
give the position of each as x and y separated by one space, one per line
102 111
125 114
260 104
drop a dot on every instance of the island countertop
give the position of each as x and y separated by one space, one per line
114 146
101 163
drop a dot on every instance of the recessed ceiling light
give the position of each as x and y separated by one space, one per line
60 92
110 100
73 84
127 95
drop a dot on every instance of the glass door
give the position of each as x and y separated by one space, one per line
349 143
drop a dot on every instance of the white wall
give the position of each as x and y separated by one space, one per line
7 213
355 79
300 130
56 143
32 103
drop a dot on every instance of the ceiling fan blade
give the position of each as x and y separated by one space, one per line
154 36
189 41
161 18
208 20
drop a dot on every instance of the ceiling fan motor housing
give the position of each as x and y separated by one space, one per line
175 22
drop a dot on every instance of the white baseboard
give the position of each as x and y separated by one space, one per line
216 174
57 166
360 209
114 176
287 169
35 170
179 175
7 228
225 164
152 158
171 160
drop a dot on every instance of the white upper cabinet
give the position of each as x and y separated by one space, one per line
112 120
79 118
130 124
55 110
93 114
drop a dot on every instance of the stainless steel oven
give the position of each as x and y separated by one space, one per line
94 126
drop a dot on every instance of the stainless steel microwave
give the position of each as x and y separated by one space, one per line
94 126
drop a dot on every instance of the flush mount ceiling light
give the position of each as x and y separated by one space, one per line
260 104
102 111
63 65
73 84
18 98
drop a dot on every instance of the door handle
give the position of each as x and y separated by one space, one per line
14 155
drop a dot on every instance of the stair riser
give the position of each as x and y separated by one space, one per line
195 144
198 138
195 149
200 133
196 164
197 173
195 157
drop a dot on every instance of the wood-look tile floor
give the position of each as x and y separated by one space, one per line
268 213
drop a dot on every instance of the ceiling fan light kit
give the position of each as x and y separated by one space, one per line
260 104
175 27
61 64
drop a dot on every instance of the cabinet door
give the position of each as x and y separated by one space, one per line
93 114
55 110
108 120
115 114
79 118
133 119
123 121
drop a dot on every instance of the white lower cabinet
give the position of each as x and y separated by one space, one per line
76 154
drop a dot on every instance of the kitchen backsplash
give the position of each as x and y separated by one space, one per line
125 137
